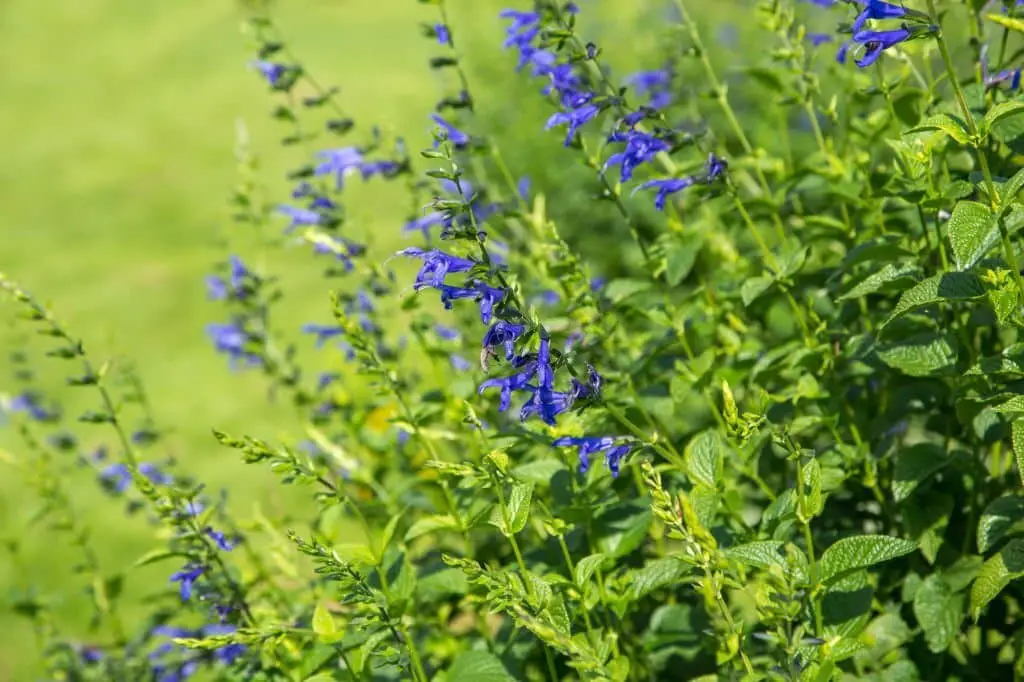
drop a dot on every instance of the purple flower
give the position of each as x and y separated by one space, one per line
640 148
504 334
424 223
591 445
574 118
444 36
187 578
340 162
436 266
876 42
220 539
877 9
819 39
843 50
458 138
514 382
274 73
665 188
299 217
655 85
323 332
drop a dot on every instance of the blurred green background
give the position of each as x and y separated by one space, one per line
117 132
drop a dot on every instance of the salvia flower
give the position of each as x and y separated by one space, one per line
876 42
503 334
458 138
519 381
436 266
274 73
300 217
231 339
220 539
444 36
322 332
640 148
655 85
29 404
614 452
665 188
340 163
186 579
574 118
459 363
877 9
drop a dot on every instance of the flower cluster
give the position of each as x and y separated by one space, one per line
871 43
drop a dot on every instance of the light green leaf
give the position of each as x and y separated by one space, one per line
356 553
972 233
388 534
948 286
1011 188
586 567
155 555
1001 111
890 273
540 471
681 256
620 289
999 519
1017 436
754 287
478 666
1009 22
324 625
996 574
812 502
914 465
704 458
519 506
850 554
953 126
762 554
657 574
939 612
428 524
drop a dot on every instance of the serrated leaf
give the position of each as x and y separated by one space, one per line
921 355
1017 436
972 233
998 519
861 551
914 465
1001 111
657 574
926 521
519 506
762 554
703 456
681 256
953 126
996 574
586 567
939 612
948 286
428 524
812 502
875 282
1012 188
478 666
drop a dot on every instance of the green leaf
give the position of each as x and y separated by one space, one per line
948 286
657 574
478 666
754 287
428 524
972 232
539 472
155 555
681 256
812 502
890 273
356 553
996 574
850 554
586 567
926 521
939 612
914 465
388 534
703 456
1001 111
921 355
324 625
762 554
953 126
999 519
620 289
622 528
519 506
1012 188
1017 436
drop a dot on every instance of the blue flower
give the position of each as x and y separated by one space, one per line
523 28
226 654
219 289
231 340
515 382
458 138
446 333
220 539
504 334
28 403
458 362
325 379
640 148
819 39
655 85
877 9
546 401
340 162
574 118
323 332
299 217
876 42
591 445
665 188
274 73
424 223
187 578
444 36
436 266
